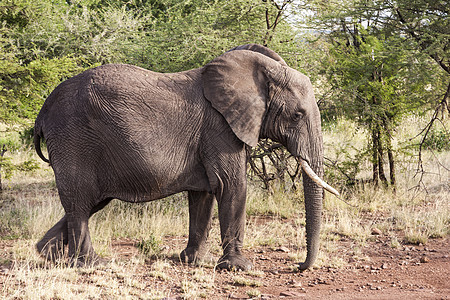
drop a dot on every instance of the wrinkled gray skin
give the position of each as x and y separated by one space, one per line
119 131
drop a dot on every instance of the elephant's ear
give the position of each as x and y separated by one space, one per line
236 84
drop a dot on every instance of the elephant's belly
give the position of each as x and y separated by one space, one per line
139 186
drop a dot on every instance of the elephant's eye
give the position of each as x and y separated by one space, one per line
297 116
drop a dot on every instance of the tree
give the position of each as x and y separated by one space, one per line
427 23
45 42
371 69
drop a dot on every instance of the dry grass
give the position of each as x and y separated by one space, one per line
29 206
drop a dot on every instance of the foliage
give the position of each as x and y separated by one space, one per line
13 144
194 32
44 43
438 140
150 246
23 86
376 75
8 168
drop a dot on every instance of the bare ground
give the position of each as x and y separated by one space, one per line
409 272
405 272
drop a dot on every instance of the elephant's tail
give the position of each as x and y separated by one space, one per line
38 135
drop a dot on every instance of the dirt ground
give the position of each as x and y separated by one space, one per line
406 272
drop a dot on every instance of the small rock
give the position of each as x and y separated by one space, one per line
236 297
424 259
331 270
291 294
376 231
283 249
384 266
296 284
5 271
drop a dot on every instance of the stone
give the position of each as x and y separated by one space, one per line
424 259
292 294
283 249
376 231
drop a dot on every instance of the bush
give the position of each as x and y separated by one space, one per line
438 140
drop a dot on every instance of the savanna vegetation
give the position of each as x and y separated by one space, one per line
381 70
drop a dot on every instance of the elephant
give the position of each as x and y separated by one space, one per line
119 131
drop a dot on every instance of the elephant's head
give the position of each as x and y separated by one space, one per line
261 97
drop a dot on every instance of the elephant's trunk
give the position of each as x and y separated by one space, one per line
313 207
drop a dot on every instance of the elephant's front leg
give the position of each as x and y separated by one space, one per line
200 213
232 223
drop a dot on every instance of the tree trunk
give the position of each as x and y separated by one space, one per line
391 168
374 157
390 155
1 159
380 151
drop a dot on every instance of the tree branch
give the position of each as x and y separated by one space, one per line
423 44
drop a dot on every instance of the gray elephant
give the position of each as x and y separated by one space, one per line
123 132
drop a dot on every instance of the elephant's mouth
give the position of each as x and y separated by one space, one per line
314 177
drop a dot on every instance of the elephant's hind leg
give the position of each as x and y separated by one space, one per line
80 250
52 245
200 213
79 204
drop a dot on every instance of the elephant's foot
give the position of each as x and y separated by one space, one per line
55 251
194 255
86 261
234 262
53 246
52 250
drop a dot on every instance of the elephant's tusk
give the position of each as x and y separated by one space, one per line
316 178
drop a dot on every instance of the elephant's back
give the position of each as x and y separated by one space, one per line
120 78
111 92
